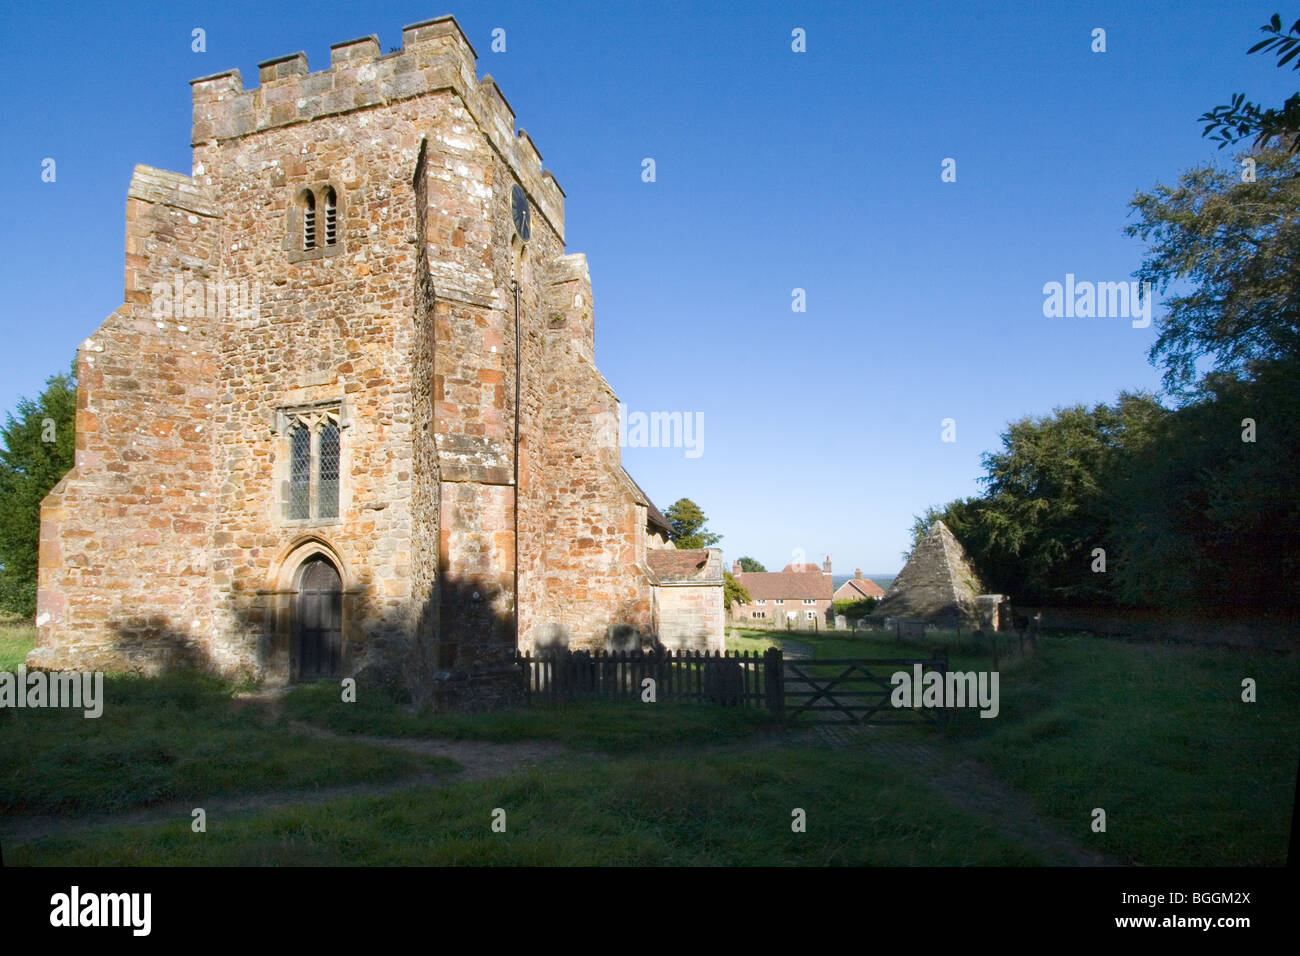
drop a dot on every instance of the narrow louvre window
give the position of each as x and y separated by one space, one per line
327 491
308 221
299 472
331 217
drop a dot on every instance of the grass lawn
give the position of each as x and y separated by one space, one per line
17 637
965 651
1156 735
754 642
717 809
606 726
180 737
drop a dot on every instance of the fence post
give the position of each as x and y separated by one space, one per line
940 663
774 681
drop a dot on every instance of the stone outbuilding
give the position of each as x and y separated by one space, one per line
689 601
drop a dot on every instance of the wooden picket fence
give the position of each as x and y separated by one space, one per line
744 679
812 691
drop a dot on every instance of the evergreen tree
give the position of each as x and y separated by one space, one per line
687 521
39 442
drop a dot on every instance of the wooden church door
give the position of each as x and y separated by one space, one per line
319 620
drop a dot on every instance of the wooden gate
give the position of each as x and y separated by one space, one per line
855 690
844 690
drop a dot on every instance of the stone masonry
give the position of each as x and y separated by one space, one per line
937 584
323 317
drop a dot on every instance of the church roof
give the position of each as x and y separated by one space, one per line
671 565
654 517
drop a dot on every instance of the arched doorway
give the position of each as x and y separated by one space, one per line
318 620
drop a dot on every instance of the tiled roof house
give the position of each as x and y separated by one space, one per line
797 594
858 588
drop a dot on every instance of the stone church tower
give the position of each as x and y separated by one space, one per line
347 420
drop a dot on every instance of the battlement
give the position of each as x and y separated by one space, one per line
435 55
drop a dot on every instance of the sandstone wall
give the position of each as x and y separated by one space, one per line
426 494
691 617
125 579
404 330
595 575
336 330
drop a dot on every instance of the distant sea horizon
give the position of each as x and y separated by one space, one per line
884 580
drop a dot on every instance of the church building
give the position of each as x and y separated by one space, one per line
347 421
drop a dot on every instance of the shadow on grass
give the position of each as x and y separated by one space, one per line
715 809
604 726
175 737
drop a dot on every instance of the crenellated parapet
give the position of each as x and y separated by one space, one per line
435 55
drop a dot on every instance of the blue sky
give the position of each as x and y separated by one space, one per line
775 170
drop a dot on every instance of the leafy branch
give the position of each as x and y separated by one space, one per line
1240 118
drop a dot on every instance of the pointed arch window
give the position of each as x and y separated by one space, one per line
331 216
308 220
313 450
315 223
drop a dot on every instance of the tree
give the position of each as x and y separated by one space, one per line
733 592
1193 507
1238 118
1207 513
39 443
921 525
1238 244
1049 497
1049 500
854 611
687 521
749 564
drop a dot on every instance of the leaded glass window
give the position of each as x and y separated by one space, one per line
314 449
299 471
327 491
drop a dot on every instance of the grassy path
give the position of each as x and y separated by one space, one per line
1161 737
967 784
971 786
479 761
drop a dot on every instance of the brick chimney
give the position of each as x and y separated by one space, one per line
826 565
857 574
735 567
